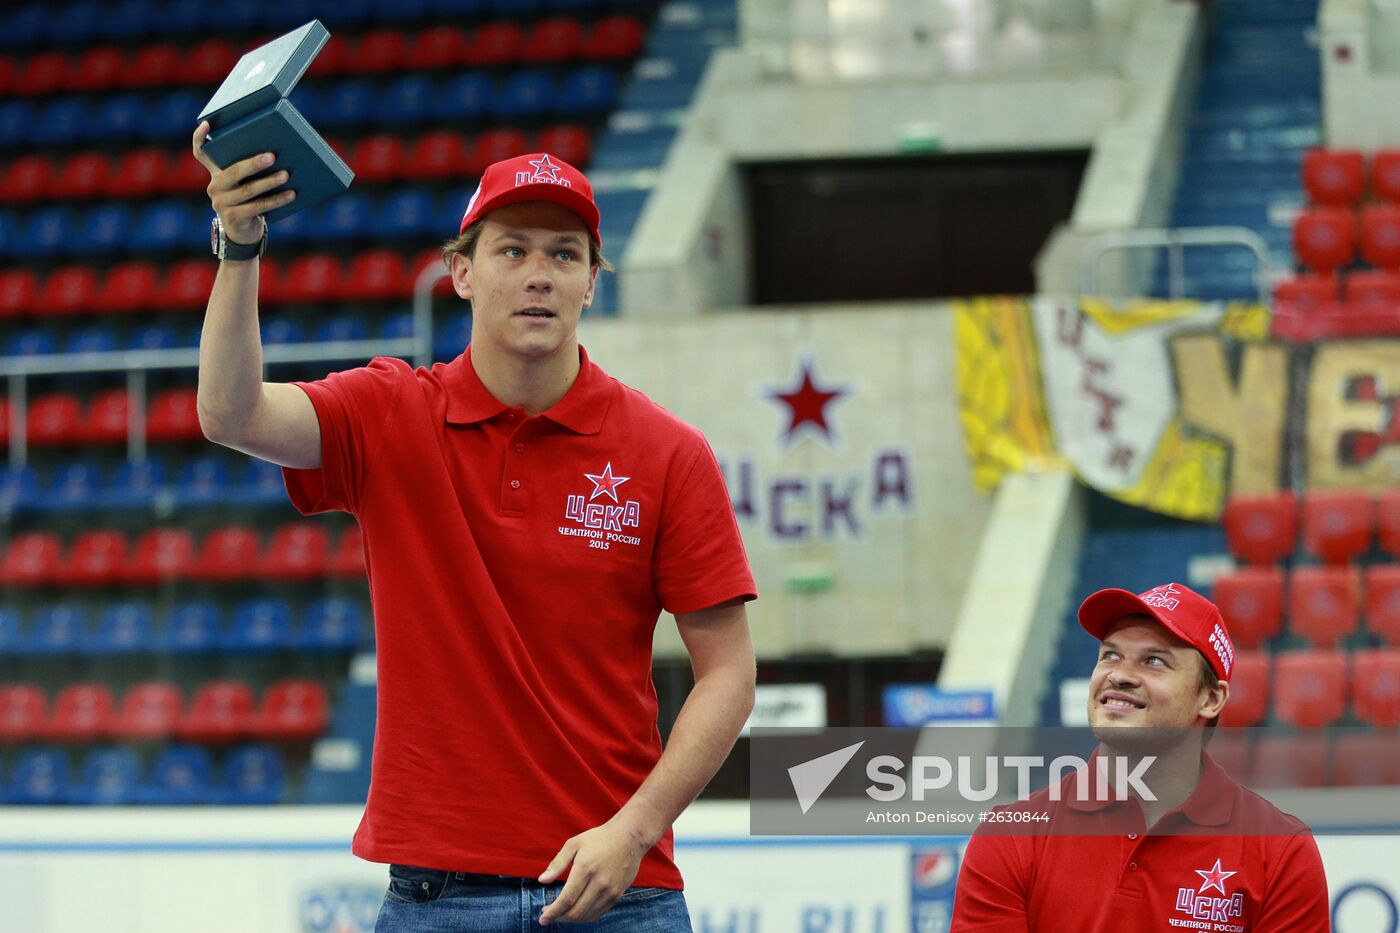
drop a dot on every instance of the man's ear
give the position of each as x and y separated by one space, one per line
462 275
592 284
1215 699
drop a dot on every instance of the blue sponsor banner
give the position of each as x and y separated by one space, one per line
924 704
933 875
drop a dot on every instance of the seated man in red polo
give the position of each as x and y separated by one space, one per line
1205 854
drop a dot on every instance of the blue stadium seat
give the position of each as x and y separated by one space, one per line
202 481
19 489
587 90
16 116
91 339
451 207
515 9
340 327
39 777
57 630
527 94
166 225
288 14
190 628
123 629
410 213
47 232
11 634
64 120
346 217
31 341
464 98
571 6
347 103
331 624
297 228
260 626
253 774
308 101
409 99
171 116
129 19
402 11
135 485
156 336
179 777
24 27
107 227
283 330
451 334
75 486
109 777
119 117
184 17
348 13
9 229
237 15
396 326
456 9
260 483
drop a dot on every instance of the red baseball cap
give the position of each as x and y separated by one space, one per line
537 176
1193 618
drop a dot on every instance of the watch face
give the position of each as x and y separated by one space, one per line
214 230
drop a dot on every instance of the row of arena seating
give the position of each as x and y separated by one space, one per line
106 68
59 419
1315 688
180 775
382 157
1326 239
220 711
1324 603
104 557
1341 177
530 94
80 485
1336 525
259 626
1309 759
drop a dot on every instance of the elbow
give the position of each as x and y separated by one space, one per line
214 426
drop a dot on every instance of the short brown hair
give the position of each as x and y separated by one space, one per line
1205 681
466 245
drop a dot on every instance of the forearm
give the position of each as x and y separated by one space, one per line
230 352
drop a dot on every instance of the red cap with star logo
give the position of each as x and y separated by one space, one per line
1193 618
537 176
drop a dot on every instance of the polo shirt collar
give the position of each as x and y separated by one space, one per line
1210 804
581 410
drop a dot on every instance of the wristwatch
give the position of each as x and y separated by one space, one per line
224 248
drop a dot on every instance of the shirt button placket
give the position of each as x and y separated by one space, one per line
513 494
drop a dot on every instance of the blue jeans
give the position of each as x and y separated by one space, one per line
426 900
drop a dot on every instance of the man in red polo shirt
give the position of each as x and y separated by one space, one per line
1207 854
526 518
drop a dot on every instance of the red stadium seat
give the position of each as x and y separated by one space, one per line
161 555
378 274
295 552
27 179
97 558
1323 603
552 41
438 47
1388 521
1290 761
1310 687
228 553
269 281
311 278
99 68
185 175
150 710
1260 529
1365 760
1337 524
4 421
1249 689
107 418
1334 176
219 711
292 710
32 559
377 158
157 65
378 51
24 712
137 174
1324 238
7 74
331 60
1234 752
441 154
493 146
19 292
54 420
1373 289
1380 235
187 284
208 62
174 417
432 256
1385 174
1251 600
613 38
570 143
81 713
68 290
44 73
1383 602
348 558
1375 686
129 286
494 44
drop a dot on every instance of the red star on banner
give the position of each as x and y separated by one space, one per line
1214 878
605 484
545 170
807 402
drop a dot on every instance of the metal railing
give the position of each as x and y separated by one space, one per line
137 364
1175 241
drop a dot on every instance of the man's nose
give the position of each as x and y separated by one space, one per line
540 277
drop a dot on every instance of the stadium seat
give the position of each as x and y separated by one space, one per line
437 47
220 711
82 177
153 66
39 778
187 177
1373 289
135 484
342 327
493 146
552 41
260 626
26 180
19 485
1388 521
378 51
281 330
109 777
165 225
161 555
406 100
614 38
91 339
1249 689
1290 761
451 335
348 559
180 776
1337 524
1380 236
1385 174
32 559
1323 603
296 551
1383 602
128 286
1233 751
346 217
331 60
82 712
138 173
46 233
228 553
191 628
24 712
68 290
99 68
494 44
118 117
348 103
378 275
202 481
1260 529
1336 177
1375 686
1324 238
292 710
409 214
253 775
125 628
174 417
97 558
57 630
437 155
106 418
16 117
311 279
54 420
208 62
11 634
106 228
43 73
396 326
377 158
259 483
1365 760
569 143
31 341
1251 600
1310 687
331 624
462 99
154 337
73 486
19 292
526 95
187 284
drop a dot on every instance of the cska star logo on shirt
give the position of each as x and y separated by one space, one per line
604 521
1224 912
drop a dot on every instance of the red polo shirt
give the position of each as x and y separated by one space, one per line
1235 864
517 568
